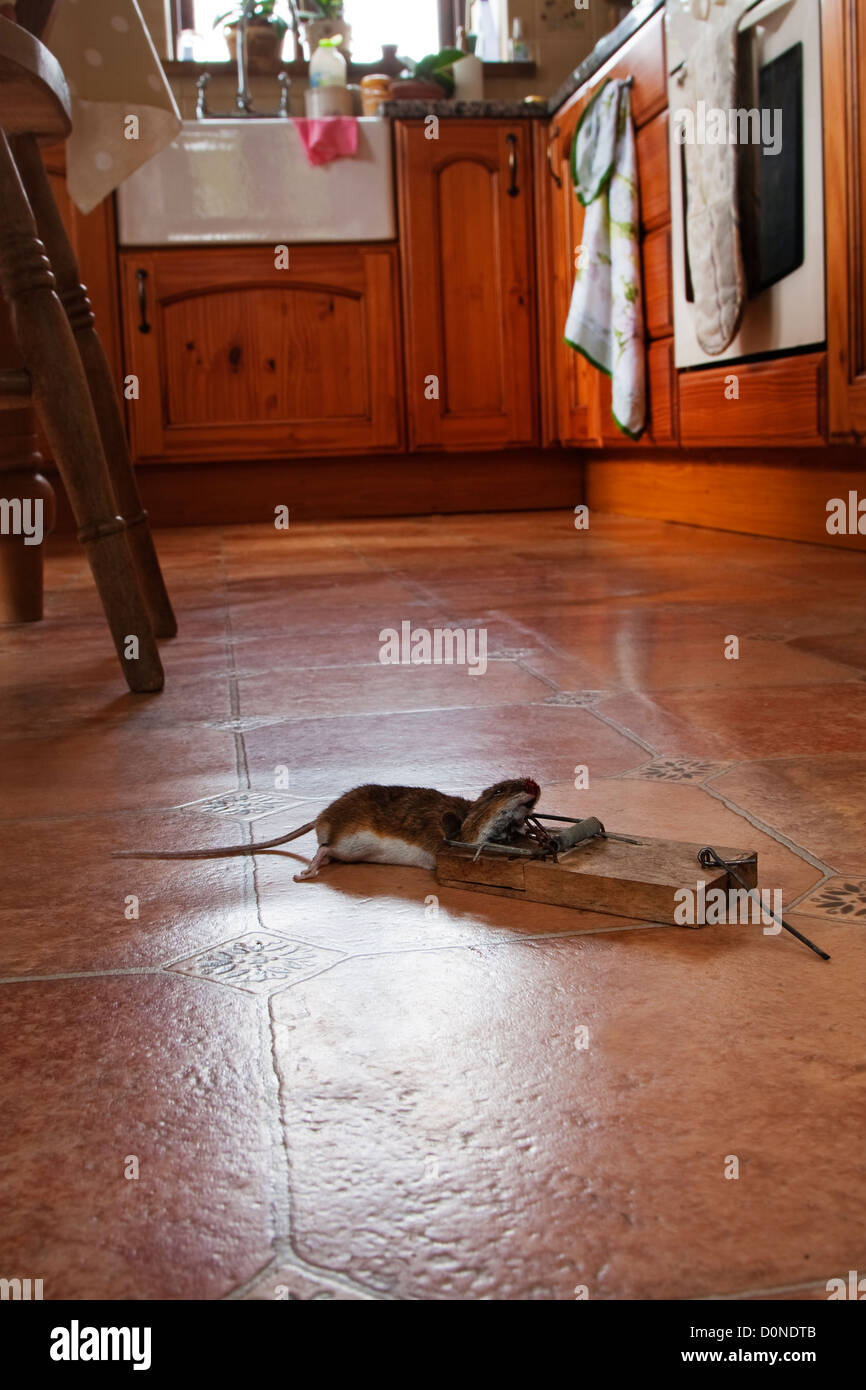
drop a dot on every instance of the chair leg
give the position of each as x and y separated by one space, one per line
26 497
73 297
65 409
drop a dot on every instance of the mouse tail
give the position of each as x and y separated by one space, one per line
222 852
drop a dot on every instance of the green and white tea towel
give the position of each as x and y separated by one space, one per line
605 320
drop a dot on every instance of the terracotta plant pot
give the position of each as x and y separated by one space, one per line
264 46
408 89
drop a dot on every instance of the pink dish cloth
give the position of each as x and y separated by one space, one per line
327 137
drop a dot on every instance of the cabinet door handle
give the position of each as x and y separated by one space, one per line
141 277
553 174
512 190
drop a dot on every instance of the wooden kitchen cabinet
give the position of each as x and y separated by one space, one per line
93 239
239 359
844 63
466 235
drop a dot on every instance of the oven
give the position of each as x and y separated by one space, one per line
781 195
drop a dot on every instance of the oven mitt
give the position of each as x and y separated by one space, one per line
605 320
713 217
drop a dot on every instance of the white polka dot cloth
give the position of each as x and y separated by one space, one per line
123 110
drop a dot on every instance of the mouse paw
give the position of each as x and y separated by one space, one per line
312 870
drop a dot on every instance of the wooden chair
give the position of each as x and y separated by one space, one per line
64 371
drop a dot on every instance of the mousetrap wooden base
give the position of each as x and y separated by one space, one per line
635 878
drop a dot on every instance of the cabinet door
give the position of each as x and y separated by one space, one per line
240 356
466 245
577 383
844 58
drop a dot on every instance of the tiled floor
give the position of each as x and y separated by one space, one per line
221 1083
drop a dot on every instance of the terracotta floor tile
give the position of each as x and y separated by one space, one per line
417 1049
817 802
746 724
530 1165
317 638
645 663
31 710
817 1293
65 898
112 768
463 750
275 605
305 694
288 1282
171 1071
847 647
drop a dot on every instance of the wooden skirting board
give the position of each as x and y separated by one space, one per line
781 495
327 489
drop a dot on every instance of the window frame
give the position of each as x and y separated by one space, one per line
182 17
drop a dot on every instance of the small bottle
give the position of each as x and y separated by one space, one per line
327 65
518 48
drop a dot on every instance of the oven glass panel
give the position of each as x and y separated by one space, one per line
781 193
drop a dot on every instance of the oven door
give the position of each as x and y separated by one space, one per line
781 195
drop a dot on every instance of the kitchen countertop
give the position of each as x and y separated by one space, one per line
522 110
465 110
603 50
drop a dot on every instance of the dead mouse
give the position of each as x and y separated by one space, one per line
391 825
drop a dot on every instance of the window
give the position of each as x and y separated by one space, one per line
417 27
413 27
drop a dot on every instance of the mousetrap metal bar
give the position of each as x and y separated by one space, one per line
536 842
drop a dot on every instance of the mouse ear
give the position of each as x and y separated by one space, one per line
451 825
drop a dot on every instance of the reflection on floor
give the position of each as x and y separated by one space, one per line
223 1083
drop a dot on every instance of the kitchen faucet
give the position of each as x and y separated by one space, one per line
244 97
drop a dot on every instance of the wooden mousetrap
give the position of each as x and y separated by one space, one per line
580 864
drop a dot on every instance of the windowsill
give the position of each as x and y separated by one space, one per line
300 68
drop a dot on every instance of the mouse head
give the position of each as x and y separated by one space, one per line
499 810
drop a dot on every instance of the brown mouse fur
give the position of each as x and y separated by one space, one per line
392 825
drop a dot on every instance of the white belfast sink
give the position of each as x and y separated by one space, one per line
242 181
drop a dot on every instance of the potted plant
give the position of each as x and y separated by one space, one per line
265 35
431 79
324 20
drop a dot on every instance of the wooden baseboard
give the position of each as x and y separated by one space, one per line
780 494
329 489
